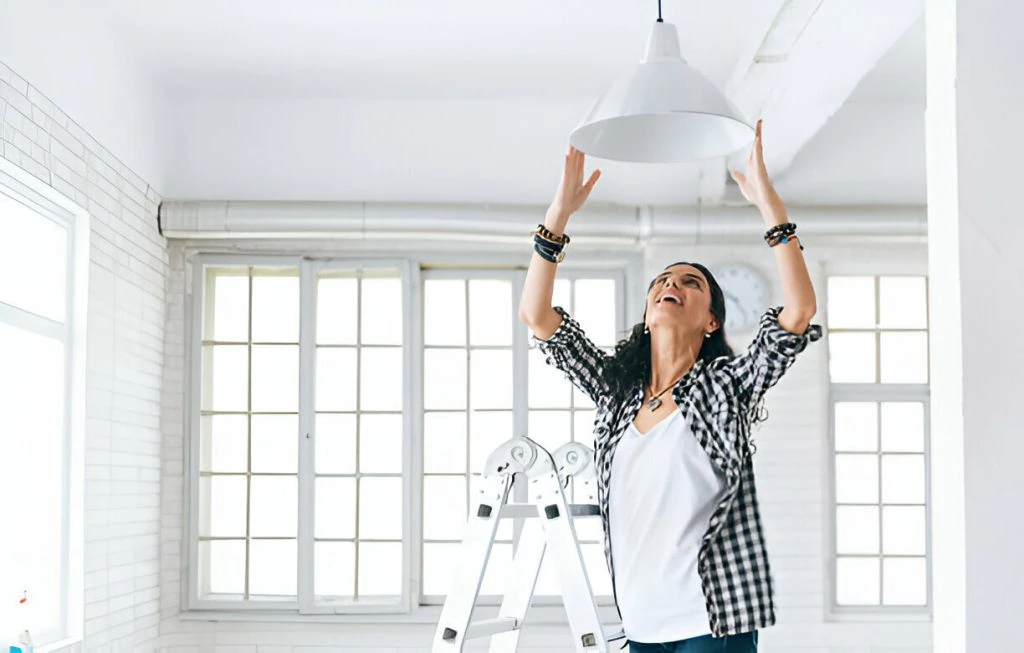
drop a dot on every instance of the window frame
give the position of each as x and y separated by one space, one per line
624 267
26 189
879 393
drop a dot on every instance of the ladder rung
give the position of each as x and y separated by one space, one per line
528 510
613 633
488 627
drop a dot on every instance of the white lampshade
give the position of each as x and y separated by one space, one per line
662 112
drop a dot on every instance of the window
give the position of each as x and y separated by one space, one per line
482 387
300 455
320 383
43 270
878 347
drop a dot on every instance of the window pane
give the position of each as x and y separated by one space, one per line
548 387
490 312
380 444
272 568
335 508
487 431
444 379
490 378
382 379
334 570
857 530
337 311
595 309
444 443
905 581
32 243
230 306
275 444
903 530
857 581
562 294
222 565
275 308
273 506
498 565
335 444
335 378
583 427
223 506
550 428
380 508
856 478
903 427
444 507
904 303
440 562
32 481
275 378
856 426
224 444
229 371
904 357
380 569
597 569
903 479
852 357
851 302
444 312
381 312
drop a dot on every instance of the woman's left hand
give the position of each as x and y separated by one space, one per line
755 185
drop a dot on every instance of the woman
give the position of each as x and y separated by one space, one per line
683 537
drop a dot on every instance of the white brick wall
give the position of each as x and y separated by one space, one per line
128 272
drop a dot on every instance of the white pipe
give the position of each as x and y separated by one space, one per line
487 222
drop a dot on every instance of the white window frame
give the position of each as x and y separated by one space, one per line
625 267
44 200
520 409
875 393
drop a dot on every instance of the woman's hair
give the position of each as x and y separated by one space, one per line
631 363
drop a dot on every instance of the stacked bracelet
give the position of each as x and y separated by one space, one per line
549 246
782 234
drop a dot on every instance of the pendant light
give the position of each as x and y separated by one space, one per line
663 111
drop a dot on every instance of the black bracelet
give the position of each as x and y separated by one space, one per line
780 230
549 254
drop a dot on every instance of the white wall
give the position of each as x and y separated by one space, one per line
791 465
74 59
128 270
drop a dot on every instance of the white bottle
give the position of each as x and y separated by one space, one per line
24 643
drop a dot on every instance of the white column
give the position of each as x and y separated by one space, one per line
975 139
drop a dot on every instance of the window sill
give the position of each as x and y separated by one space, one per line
423 615
879 616
52 647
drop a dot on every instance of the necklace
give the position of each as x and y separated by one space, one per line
654 403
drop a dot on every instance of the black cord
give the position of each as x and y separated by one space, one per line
659 12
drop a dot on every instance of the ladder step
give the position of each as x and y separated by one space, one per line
528 510
488 627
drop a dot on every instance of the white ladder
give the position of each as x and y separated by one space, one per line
548 523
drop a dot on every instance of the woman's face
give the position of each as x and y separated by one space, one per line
680 297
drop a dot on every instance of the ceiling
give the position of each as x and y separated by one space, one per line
469 101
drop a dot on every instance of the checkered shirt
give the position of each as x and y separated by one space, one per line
718 399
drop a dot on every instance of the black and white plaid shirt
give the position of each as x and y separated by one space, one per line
718 399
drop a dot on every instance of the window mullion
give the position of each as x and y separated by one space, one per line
307 380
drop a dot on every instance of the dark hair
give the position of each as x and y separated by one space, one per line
630 366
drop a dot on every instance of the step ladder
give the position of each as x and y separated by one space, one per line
548 524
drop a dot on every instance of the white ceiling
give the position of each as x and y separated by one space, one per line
469 101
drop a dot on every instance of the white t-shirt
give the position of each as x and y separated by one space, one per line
663 491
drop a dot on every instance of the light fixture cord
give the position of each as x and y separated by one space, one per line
659 12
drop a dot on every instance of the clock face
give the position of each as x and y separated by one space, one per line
746 296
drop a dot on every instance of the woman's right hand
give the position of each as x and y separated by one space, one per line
572 192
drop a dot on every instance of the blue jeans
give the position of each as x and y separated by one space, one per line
745 643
